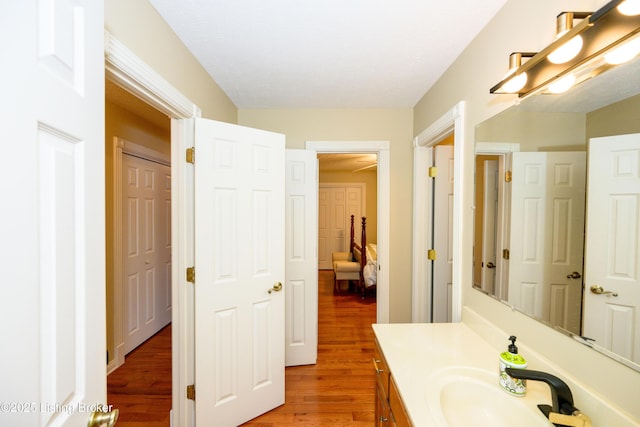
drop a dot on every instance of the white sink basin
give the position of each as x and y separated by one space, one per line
463 396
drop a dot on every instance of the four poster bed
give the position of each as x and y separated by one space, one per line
366 255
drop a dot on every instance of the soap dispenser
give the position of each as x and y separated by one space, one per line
511 359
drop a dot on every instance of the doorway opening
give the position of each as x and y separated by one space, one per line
138 218
347 198
450 124
129 72
381 150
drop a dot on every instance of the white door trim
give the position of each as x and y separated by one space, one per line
119 148
502 151
123 67
450 122
382 149
131 73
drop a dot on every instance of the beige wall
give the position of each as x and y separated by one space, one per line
139 26
535 131
125 125
616 119
521 25
393 125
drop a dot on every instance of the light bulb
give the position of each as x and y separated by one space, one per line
623 53
515 83
567 51
562 85
629 7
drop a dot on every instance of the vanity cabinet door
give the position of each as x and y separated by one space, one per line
399 414
381 371
383 413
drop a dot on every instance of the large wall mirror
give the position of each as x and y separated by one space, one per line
557 211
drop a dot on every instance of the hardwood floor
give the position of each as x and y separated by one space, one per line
338 391
141 388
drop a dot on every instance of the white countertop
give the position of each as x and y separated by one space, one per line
416 352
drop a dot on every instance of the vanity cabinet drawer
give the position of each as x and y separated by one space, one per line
381 369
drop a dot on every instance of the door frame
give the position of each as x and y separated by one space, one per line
382 149
451 122
120 147
502 150
128 71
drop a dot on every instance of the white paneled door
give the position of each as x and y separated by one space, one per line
146 223
53 245
489 223
612 253
443 234
239 263
547 223
301 314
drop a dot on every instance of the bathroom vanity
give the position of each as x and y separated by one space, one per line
446 375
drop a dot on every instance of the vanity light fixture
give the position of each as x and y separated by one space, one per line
614 26
629 7
571 48
513 81
623 53
562 85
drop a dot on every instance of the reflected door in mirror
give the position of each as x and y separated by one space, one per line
546 240
612 255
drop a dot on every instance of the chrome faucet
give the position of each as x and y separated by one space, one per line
562 412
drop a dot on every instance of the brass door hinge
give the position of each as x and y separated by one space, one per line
507 176
431 254
191 274
505 253
191 392
433 172
191 155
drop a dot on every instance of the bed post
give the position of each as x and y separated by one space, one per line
352 241
363 242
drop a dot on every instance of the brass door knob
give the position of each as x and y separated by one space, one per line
99 418
599 290
277 287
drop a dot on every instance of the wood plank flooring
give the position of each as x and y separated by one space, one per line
141 388
338 391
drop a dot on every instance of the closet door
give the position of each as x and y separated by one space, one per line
336 204
147 255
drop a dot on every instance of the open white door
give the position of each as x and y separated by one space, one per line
489 223
301 332
52 228
239 264
612 254
547 222
443 234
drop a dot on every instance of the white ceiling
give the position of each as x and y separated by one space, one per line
326 53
